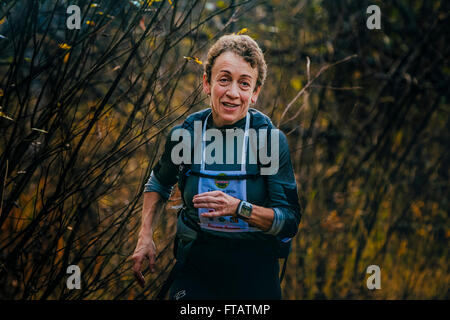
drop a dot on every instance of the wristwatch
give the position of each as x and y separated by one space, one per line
244 209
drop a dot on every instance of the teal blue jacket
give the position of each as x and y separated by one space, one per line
277 191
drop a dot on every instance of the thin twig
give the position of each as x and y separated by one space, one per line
322 70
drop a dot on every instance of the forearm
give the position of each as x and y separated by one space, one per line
151 210
261 217
281 221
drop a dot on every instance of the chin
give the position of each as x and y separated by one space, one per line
228 119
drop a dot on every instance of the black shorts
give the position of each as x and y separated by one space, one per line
228 269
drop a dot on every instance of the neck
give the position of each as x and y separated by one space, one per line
216 121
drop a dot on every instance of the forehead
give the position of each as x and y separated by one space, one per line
234 64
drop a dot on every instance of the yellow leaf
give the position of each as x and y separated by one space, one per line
1 92
398 138
416 210
27 59
422 232
94 5
324 122
221 4
403 248
242 31
66 57
91 23
3 20
150 2
151 42
100 13
296 83
195 59
65 46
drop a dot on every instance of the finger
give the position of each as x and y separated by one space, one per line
201 196
213 214
152 259
137 271
206 199
212 194
137 264
140 278
206 205
209 193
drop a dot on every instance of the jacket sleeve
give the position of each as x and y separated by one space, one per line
283 196
165 173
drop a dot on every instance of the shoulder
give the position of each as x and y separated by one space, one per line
196 116
260 120
188 123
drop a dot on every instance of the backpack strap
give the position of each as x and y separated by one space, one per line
283 270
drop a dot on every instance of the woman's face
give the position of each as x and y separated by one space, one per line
232 88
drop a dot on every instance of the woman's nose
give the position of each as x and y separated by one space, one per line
233 91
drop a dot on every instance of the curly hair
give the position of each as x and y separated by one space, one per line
243 46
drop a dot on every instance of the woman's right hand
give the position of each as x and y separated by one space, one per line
145 248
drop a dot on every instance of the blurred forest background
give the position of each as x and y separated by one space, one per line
84 115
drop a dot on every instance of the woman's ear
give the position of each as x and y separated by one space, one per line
206 86
255 94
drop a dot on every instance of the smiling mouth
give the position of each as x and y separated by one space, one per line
230 105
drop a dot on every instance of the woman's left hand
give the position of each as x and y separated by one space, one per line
222 203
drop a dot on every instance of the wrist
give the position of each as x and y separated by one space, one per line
145 234
236 211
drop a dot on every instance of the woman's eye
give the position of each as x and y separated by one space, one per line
245 84
223 80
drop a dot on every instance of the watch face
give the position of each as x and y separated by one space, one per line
246 209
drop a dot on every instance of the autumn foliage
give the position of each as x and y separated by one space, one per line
84 117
